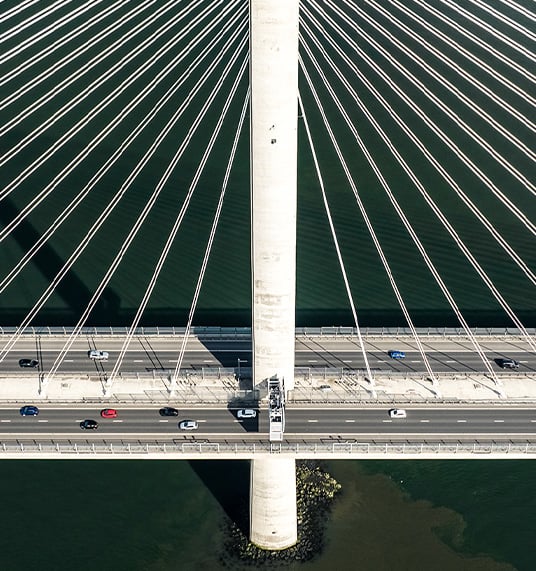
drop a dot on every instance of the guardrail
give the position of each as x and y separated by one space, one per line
335 331
321 449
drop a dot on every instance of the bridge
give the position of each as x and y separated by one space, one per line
468 192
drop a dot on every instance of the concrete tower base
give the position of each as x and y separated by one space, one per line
273 503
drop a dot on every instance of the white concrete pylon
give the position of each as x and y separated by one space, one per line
274 147
274 116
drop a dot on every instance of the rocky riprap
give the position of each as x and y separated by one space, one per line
315 492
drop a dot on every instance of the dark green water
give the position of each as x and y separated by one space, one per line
170 515
163 515
225 297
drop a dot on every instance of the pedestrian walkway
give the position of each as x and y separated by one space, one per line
459 387
330 386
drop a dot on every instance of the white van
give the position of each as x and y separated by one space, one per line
397 413
98 355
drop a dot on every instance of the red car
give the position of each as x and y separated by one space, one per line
108 413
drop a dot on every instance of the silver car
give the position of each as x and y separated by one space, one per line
188 425
98 355
246 413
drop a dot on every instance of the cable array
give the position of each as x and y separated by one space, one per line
453 80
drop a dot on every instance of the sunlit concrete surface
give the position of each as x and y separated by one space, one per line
274 112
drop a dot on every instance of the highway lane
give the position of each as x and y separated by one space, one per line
140 360
300 421
148 353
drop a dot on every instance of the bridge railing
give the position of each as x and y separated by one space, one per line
234 332
325 448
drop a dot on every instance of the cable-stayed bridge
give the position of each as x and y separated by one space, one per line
123 169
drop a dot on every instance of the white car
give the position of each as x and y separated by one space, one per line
98 355
188 425
246 413
397 413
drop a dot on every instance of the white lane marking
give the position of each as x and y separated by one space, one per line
137 361
424 421
351 420
5 420
531 421
312 361
172 360
380 361
208 361
450 361
461 421
68 360
201 421
387 421
498 421
312 420
42 421
163 421
414 361
347 361
117 421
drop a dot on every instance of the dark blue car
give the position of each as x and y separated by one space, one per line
29 410
396 354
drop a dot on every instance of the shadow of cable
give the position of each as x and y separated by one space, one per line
74 292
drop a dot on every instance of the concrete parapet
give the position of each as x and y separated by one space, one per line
273 517
522 447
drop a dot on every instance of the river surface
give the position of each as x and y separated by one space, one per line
171 515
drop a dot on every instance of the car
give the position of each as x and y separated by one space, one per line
89 424
246 413
29 410
98 355
508 363
396 354
188 425
28 363
168 411
397 413
108 413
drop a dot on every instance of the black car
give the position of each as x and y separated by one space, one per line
508 363
168 411
28 363
89 424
